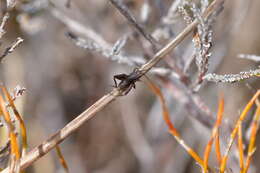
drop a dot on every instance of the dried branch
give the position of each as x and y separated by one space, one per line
11 48
195 107
250 57
72 126
132 21
93 38
4 20
214 134
231 78
112 52
203 42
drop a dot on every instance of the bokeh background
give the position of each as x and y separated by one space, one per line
129 135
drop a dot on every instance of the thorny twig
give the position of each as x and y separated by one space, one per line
72 126
114 53
94 38
111 52
95 42
231 78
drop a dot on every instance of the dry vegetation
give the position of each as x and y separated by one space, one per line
83 59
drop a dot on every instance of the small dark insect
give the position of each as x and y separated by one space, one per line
127 82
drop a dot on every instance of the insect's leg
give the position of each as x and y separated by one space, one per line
128 89
114 78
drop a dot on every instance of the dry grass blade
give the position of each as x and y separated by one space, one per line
173 131
214 134
240 148
15 153
11 129
251 148
217 148
19 117
61 158
235 130
60 135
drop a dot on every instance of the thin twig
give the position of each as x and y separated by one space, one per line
91 36
131 20
255 58
231 78
252 147
11 48
4 20
214 133
240 148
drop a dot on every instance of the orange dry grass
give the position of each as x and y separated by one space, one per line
222 160
15 153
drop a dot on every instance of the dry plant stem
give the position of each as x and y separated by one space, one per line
235 131
19 118
59 136
4 20
15 153
131 19
11 48
240 148
61 159
173 131
252 148
217 148
11 129
172 44
194 106
215 131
